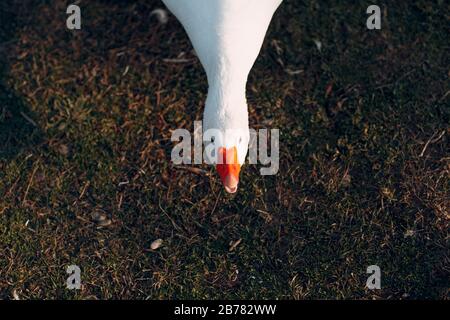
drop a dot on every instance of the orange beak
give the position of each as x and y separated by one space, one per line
229 169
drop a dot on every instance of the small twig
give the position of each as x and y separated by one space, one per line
293 72
28 119
86 185
29 184
177 60
171 220
431 141
396 81
83 219
3 210
444 96
215 204
126 71
234 245
119 205
193 170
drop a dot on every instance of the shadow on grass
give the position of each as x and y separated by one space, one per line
18 130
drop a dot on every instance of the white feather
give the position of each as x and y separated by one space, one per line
227 36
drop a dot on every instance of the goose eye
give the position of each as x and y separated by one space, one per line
240 140
212 139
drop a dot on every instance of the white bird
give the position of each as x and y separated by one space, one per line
227 36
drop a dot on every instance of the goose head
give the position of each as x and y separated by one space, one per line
226 137
227 36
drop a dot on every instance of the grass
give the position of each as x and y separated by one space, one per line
85 126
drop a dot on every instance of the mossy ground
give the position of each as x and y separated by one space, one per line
85 125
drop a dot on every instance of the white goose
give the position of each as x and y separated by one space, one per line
227 36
